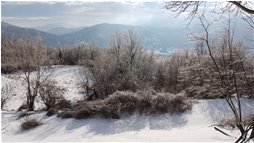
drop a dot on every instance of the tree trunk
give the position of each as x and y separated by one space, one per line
31 104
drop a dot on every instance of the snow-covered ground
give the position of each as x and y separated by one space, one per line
194 125
66 77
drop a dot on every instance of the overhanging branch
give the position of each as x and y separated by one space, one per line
242 7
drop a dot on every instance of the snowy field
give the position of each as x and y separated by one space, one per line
194 125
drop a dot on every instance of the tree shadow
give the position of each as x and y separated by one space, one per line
99 126
219 109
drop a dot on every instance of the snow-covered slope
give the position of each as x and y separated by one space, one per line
66 77
194 125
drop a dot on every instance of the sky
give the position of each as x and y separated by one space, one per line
78 14
90 12
74 14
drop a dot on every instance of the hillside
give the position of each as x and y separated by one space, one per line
152 37
194 125
62 30
20 32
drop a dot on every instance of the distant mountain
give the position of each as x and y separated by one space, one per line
20 32
63 30
100 34
152 37
48 27
160 39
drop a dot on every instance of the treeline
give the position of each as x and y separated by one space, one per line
201 72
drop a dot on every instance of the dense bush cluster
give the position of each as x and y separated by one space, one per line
30 124
125 65
23 54
127 103
73 55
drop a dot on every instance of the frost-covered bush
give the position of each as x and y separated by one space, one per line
83 114
128 103
125 102
63 103
85 110
67 114
50 94
30 124
111 111
161 104
202 92
121 67
179 104
168 103
72 55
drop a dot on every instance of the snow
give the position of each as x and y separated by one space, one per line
194 125
66 77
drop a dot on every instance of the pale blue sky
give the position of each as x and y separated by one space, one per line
75 14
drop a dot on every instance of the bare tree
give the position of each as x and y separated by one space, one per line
133 48
36 68
226 73
241 8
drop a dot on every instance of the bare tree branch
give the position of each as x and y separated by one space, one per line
242 7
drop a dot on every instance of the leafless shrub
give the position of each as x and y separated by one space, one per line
231 123
202 92
144 106
73 55
85 110
166 103
63 103
8 68
180 104
111 111
83 113
126 101
129 103
50 94
6 93
30 124
67 114
161 104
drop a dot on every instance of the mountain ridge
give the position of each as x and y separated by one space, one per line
155 38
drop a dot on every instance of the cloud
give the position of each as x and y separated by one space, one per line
28 2
87 13
26 18
8 18
38 18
